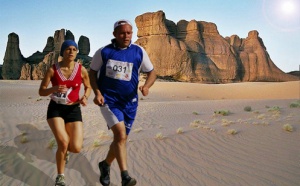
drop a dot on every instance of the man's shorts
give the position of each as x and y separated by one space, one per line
114 115
69 113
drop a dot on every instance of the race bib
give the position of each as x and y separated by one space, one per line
119 70
61 98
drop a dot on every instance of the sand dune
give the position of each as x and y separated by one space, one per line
177 138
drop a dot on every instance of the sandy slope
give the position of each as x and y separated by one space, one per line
176 140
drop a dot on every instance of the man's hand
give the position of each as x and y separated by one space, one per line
144 90
99 100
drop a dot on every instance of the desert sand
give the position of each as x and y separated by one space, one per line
180 137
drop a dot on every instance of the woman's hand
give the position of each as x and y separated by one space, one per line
61 88
84 100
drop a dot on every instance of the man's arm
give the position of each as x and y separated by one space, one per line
98 100
151 77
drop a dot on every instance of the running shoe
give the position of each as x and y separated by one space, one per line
128 181
60 180
105 171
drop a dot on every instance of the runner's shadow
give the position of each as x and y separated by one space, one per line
18 159
17 166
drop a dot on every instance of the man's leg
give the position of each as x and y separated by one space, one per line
119 151
116 151
118 147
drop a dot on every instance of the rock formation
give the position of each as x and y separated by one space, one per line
1 72
295 73
84 45
15 66
195 51
13 59
192 51
84 50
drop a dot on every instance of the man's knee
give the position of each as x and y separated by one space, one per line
119 131
120 137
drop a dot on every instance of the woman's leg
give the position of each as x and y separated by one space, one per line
58 128
75 132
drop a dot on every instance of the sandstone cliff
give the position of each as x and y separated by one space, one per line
192 51
195 51
13 59
15 66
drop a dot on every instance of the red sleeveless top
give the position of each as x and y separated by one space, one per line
73 84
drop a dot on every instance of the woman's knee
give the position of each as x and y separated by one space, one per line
63 145
75 148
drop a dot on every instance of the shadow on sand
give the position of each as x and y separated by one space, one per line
16 161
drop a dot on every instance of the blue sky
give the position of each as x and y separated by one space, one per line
277 21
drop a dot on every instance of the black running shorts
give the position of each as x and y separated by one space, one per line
69 113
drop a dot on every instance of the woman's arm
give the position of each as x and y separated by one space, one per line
43 90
